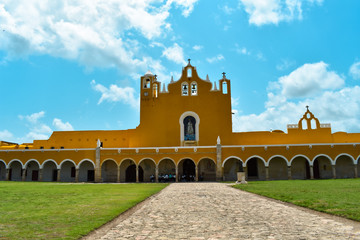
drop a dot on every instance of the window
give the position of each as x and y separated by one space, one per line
224 87
52 147
189 128
185 89
147 83
193 88
155 90
41 147
189 72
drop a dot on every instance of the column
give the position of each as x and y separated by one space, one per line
355 171
267 173
7 174
137 173
23 176
218 161
289 173
333 171
196 174
97 165
157 173
76 175
177 173
40 175
246 173
118 174
58 174
311 172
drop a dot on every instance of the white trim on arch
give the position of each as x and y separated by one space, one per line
279 156
124 159
185 159
165 158
344 154
206 158
148 159
300 155
49 160
108 159
223 164
67 160
181 122
323 155
31 160
4 163
84 160
255 156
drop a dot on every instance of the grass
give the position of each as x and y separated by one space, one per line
30 210
336 196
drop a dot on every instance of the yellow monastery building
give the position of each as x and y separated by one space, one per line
185 134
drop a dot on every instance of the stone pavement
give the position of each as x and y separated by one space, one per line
216 211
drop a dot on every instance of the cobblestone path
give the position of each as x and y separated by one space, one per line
216 211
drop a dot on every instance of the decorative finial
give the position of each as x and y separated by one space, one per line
224 77
98 143
189 61
164 88
172 79
218 140
215 87
207 78
155 77
307 107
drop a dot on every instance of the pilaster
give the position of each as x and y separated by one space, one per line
97 165
333 167
218 161
58 175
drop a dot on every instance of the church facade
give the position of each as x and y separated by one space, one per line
185 134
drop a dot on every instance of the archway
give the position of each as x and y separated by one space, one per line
231 167
49 171
278 169
186 168
344 167
32 171
86 171
130 173
322 168
300 168
15 171
109 171
67 171
206 170
358 167
167 167
255 169
2 171
148 167
123 167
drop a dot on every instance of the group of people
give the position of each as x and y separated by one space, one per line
172 178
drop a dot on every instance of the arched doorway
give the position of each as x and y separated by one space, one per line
255 169
15 171
2 171
322 168
86 171
278 169
344 167
49 171
166 167
148 167
32 171
109 171
186 170
130 174
231 167
206 170
300 168
67 171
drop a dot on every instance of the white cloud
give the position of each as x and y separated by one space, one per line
217 58
355 70
309 80
5 135
59 125
197 47
95 33
33 118
333 103
274 11
114 93
175 54
285 64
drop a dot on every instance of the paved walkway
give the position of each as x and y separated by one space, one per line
216 211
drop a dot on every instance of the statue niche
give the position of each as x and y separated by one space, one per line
189 128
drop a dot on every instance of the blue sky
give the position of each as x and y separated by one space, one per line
76 65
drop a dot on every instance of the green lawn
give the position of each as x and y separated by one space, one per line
31 210
339 197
